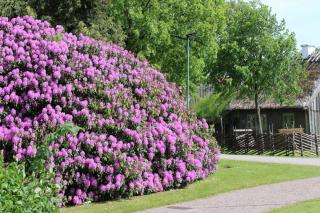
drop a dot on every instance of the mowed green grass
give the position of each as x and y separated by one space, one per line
231 175
312 206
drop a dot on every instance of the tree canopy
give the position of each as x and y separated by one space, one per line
13 8
258 56
89 17
152 28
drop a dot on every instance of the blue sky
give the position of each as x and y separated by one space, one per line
301 16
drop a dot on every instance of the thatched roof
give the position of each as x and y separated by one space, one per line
268 104
310 86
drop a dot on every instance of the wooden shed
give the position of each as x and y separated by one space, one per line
303 113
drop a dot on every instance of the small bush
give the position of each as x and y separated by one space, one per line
213 106
20 192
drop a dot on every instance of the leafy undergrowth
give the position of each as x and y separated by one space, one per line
231 175
29 186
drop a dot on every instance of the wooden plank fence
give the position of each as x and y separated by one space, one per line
293 144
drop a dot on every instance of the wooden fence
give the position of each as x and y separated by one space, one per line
294 144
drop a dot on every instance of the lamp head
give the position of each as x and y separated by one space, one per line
193 34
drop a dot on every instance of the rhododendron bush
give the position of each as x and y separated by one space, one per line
136 138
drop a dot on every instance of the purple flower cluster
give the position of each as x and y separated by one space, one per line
138 137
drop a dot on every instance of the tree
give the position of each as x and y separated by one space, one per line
89 17
152 27
258 56
13 8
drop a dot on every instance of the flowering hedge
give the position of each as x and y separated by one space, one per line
137 136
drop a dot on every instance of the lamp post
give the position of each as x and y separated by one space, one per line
187 38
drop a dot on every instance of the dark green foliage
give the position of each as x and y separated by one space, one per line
90 17
13 8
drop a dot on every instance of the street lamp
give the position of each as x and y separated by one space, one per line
187 38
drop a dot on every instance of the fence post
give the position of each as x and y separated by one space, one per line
272 141
257 142
316 142
234 142
293 144
269 140
287 144
262 142
301 148
247 143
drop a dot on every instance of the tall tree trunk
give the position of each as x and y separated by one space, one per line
259 122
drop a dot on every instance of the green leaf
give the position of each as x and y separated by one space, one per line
37 190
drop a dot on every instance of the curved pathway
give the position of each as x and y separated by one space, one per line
257 199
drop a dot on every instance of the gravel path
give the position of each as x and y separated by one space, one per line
251 200
254 200
270 159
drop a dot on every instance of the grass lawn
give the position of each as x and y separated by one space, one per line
312 206
231 175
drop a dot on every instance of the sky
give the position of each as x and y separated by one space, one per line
301 16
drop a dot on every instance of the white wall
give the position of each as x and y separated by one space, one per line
307 50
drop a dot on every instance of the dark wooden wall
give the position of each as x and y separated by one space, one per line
238 119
